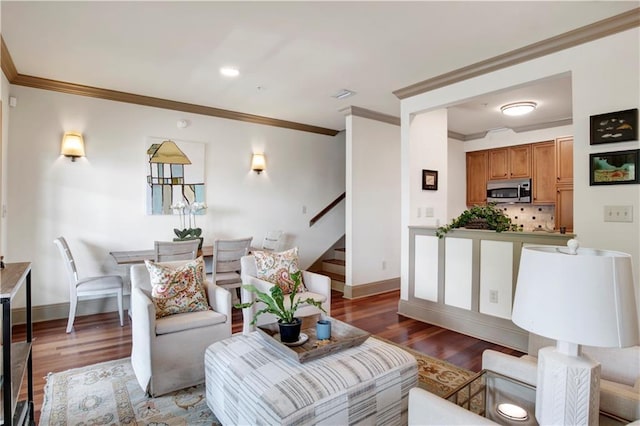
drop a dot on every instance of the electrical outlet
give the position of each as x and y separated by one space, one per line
304 209
384 265
618 213
493 296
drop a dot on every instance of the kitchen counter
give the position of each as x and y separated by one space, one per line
466 281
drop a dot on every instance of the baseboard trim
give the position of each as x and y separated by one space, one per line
378 287
61 310
491 329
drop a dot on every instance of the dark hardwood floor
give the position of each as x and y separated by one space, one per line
99 338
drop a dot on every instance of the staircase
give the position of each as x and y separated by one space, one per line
334 269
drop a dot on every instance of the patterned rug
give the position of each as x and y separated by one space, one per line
108 393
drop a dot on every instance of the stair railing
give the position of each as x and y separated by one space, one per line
327 209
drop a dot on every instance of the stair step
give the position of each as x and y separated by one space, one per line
335 266
339 253
337 280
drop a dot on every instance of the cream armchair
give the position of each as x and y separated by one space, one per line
168 353
318 286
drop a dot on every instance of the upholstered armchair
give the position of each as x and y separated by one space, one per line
168 352
318 287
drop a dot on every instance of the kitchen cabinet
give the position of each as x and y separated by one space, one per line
564 207
544 172
510 162
16 356
477 163
564 160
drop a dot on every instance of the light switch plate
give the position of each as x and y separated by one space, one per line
618 213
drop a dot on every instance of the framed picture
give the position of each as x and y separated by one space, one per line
430 180
619 126
612 168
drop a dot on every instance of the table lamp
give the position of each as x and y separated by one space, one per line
577 296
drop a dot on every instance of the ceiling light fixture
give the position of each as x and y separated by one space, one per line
229 72
344 93
518 108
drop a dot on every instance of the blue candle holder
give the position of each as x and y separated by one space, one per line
323 329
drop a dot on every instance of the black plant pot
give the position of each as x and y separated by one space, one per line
290 332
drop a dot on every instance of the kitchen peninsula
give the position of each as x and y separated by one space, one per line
466 281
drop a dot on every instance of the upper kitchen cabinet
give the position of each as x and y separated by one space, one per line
544 172
477 163
510 162
564 160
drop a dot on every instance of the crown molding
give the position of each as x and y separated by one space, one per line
604 28
16 78
6 62
457 136
479 135
373 115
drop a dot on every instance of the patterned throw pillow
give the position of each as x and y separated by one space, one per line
277 268
177 290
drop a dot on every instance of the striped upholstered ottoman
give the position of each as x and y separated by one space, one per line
250 383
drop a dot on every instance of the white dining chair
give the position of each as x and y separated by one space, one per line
272 241
104 285
226 270
166 251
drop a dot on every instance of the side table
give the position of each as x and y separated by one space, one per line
484 392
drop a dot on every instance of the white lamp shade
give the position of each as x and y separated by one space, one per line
586 298
258 163
72 145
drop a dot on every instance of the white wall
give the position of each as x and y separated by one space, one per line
373 200
98 202
604 79
456 179
429 151
4 95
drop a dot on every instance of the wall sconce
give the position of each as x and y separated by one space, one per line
72 145
258 163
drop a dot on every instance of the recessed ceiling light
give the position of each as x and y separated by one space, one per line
518 108
229 71
344 93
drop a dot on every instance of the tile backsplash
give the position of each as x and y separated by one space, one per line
530 217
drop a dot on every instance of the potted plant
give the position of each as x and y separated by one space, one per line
480 217
288 324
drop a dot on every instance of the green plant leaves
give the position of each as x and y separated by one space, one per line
274 301
496 219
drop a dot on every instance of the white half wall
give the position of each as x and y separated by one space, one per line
98 202
373 201
598 87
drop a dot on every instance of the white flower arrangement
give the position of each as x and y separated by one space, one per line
188 214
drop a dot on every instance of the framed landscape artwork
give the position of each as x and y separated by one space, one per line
619 126
430 180
612 168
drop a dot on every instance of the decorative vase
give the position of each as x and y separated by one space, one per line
290 332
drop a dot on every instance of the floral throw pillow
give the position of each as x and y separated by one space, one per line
177 290
277 268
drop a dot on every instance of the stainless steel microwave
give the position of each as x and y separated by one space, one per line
509 191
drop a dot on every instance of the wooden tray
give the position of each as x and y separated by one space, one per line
343 336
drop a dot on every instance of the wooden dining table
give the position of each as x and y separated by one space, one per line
131 257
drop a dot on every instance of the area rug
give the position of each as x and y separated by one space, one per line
108 393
